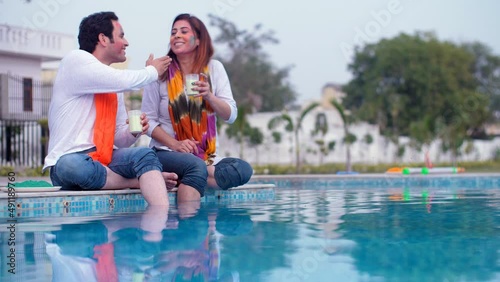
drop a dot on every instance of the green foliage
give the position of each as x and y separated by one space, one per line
332 168
349 138
368 139
23 172
44 123
254 78
496 155
331 145
291 126
243 132
486 71
255 136
401 151
36 171
420 87
276 137
5 170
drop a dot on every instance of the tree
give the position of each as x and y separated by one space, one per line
368 139
321 128
419 87
349 138
291 126
486 71
240 129
253 77
255 139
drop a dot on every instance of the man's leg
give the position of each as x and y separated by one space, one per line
115 181
141 163
78 171
153 221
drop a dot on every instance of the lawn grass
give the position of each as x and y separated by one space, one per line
333 168
330 168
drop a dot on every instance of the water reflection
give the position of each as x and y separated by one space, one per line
394 234
153 246
426 236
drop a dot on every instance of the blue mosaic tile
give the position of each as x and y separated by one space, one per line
104 204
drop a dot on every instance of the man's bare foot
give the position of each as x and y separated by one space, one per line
170 179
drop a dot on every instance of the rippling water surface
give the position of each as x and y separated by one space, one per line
393 234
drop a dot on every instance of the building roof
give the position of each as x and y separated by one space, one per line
34 43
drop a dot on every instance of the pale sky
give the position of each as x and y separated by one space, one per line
316 36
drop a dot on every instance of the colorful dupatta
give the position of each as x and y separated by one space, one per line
192 117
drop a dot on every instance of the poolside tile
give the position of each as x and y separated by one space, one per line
261 188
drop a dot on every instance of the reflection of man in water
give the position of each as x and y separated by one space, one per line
107 250
71 251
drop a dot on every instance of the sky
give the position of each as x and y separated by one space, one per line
316 37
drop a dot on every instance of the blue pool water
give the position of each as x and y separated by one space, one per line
306 233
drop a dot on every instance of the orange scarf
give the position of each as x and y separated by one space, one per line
106 106
105 267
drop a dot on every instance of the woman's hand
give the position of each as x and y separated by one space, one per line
186 146
144 123
203 87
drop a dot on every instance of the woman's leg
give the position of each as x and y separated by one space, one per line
191 170
229 172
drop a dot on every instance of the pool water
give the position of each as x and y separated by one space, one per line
338 234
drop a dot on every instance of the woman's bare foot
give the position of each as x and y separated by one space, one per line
170 179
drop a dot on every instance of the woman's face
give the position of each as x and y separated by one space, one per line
182 38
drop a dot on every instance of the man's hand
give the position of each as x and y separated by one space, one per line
144 123
161 64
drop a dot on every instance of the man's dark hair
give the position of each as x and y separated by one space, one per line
93 25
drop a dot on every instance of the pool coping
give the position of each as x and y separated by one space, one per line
261 188
279 181
64 193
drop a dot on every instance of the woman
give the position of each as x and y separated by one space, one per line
183 129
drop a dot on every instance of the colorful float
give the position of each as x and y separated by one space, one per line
425 170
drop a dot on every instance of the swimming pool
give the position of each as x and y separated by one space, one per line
359 228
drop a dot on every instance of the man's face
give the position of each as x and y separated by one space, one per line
117 45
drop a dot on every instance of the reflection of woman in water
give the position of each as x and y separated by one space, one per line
202 263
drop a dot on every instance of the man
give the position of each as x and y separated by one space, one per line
87 119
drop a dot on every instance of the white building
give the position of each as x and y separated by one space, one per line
24 94
381 150
23 52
